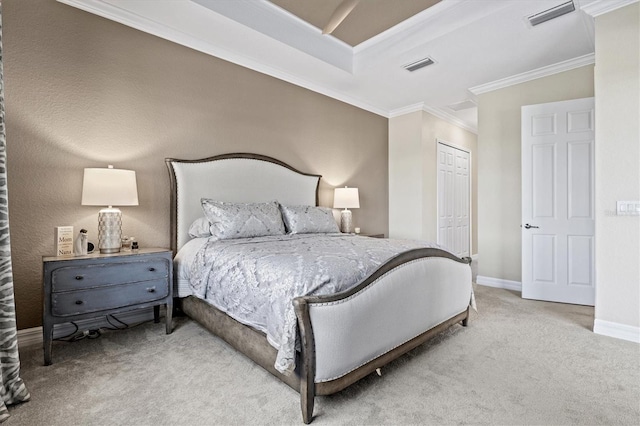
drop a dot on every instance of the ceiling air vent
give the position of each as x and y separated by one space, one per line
463 105
413 66
552 13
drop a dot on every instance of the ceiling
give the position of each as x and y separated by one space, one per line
477 45
367 19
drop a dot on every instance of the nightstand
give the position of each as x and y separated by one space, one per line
97 284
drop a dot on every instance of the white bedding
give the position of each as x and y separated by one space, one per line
182 265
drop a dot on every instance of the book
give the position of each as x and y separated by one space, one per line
64 240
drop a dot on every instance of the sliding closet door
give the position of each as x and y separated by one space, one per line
454 196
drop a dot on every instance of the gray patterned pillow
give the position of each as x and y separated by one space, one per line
308 220
243 220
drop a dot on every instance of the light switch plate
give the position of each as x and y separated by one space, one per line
628 208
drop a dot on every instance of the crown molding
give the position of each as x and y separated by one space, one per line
437 112
559 67
443 115
416 21
406 110
409 37
279 24
600 7
108 11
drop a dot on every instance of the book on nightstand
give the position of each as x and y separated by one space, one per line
64 240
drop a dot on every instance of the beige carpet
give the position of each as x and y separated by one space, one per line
518 362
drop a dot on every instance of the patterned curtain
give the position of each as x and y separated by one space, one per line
12 387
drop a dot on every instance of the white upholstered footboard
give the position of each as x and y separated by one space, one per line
400 305
348 335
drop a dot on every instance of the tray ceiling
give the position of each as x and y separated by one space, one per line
475 45
369 18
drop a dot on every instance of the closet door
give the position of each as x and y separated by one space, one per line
454 194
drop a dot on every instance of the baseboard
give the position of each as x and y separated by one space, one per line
33 336
617 330
29 337
499 283
605 328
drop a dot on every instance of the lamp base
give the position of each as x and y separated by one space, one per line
109 230
346 222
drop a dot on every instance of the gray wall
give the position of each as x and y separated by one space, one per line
82 91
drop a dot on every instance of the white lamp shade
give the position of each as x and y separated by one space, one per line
109 187
346 198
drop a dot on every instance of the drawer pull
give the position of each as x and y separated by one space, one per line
151 289
79 277
79 302
152 269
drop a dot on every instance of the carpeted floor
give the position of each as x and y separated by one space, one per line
518 362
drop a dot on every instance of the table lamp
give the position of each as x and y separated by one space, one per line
346 198
109 187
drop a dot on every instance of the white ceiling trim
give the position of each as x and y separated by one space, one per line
590 26
100 8
443 115
567 65
277 23
403 27
600 7
437 112
406 110
447 17
108 11
206 29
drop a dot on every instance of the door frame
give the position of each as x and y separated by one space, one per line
468 151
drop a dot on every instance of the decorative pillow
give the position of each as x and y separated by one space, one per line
243 220
200 228
308 219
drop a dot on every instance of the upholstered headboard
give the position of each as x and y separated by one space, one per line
234 178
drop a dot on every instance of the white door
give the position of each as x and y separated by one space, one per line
557 202
453 199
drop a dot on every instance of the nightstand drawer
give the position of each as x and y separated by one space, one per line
109 297
77 277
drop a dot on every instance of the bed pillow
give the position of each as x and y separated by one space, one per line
200 228
243 220
308 220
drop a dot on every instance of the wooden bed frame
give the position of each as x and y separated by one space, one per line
409 279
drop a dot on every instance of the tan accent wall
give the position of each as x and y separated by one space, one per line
413 174
617 153
82 91
499 165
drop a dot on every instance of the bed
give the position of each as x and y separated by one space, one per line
339 337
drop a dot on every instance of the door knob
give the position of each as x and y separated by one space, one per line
527 226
